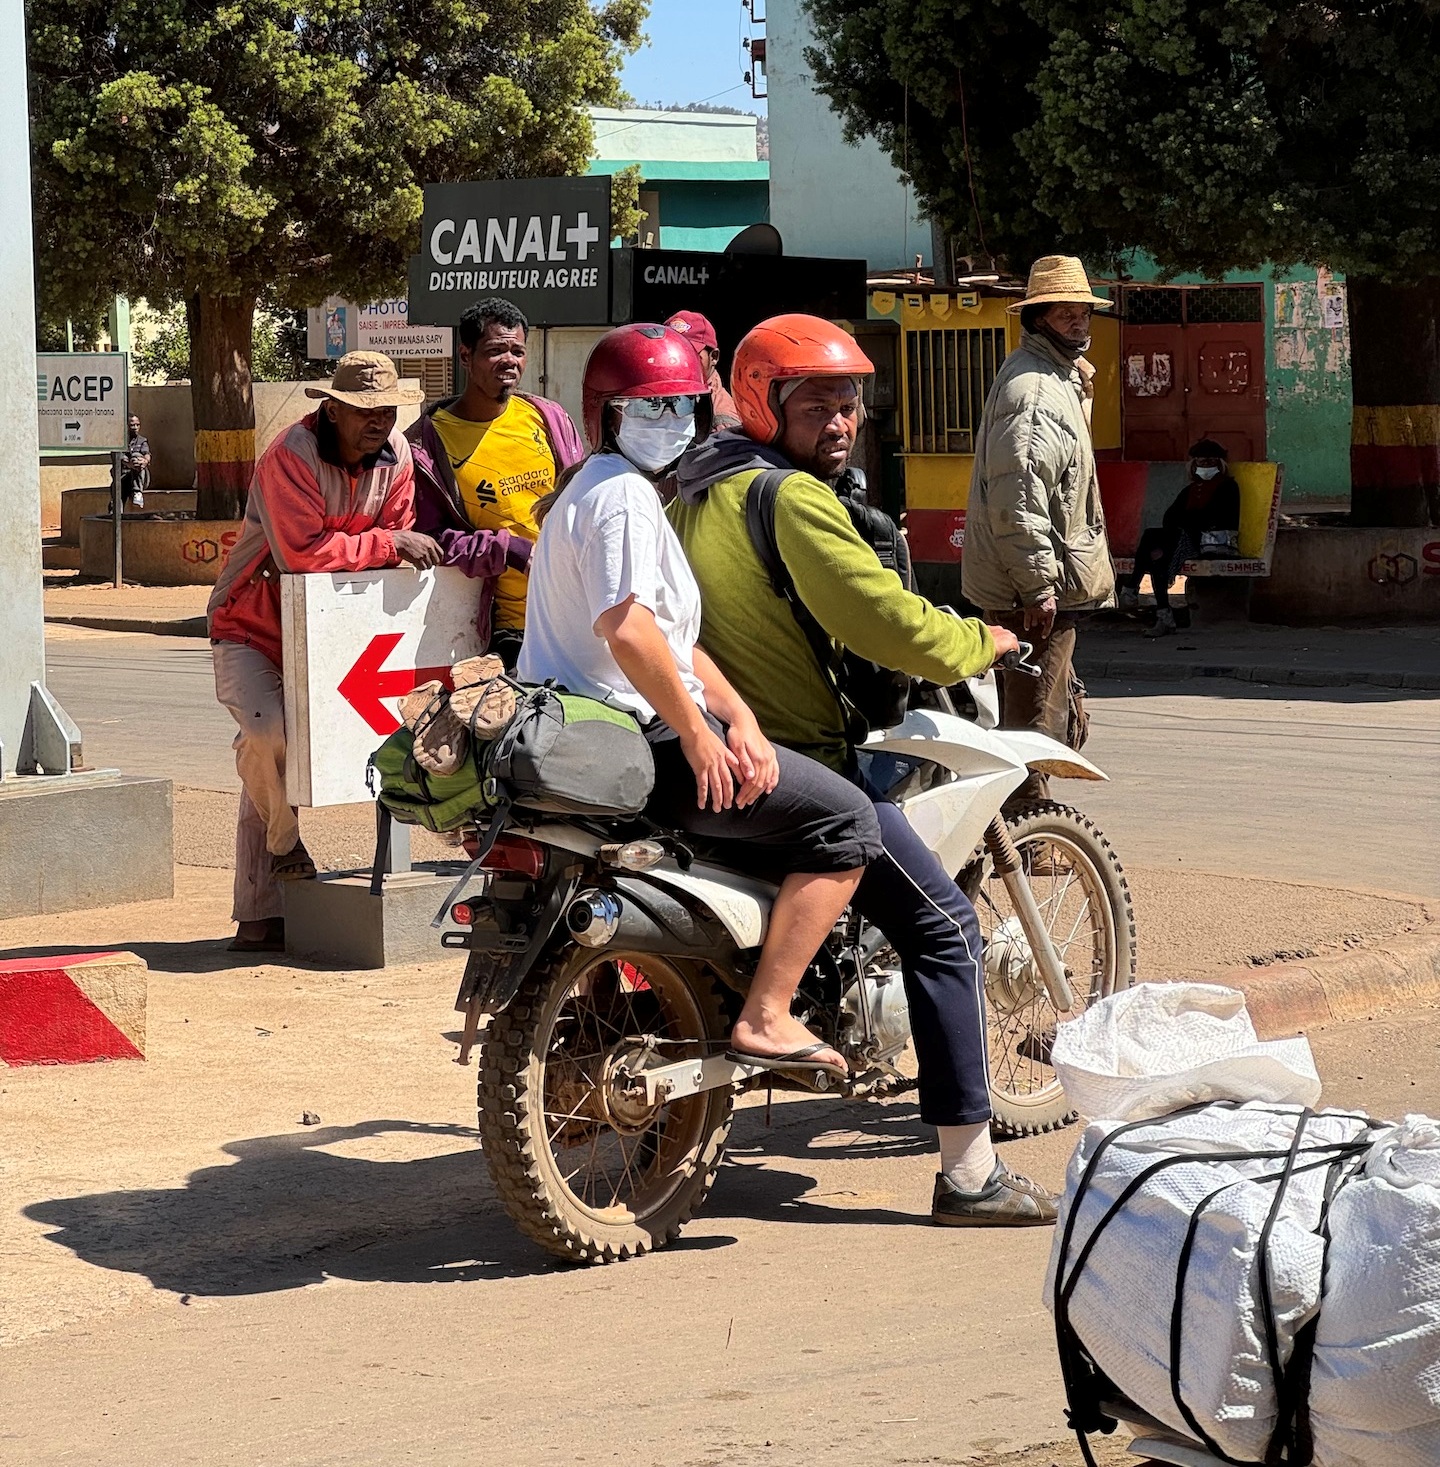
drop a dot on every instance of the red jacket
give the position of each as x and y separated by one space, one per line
306 513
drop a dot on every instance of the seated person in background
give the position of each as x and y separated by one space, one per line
1203 520
615 614
482 460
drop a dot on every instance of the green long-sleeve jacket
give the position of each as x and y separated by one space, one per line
751 632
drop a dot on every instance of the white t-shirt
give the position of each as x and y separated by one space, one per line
605 539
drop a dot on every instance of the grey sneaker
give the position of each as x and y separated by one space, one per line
1127 600
1164 624
1007 1200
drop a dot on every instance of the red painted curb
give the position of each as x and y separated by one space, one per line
53 1011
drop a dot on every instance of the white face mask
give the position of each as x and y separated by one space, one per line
656 445
1209 473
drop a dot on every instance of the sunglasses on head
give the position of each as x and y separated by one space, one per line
652 409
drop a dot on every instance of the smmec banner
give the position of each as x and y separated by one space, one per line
541 243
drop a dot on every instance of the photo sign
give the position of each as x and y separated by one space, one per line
82 398
385 326
542 243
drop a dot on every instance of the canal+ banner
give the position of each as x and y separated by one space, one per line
542 243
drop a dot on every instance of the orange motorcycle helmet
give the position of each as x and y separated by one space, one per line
780 350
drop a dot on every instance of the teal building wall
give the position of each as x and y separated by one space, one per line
703 206
1307 375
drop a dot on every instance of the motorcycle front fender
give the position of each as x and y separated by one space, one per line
1048 756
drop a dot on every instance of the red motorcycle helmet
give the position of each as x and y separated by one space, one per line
640 360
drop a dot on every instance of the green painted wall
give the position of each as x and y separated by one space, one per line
1307 375
707 216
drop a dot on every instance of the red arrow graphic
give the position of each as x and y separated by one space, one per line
369 681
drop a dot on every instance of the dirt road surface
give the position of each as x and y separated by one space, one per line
189 1274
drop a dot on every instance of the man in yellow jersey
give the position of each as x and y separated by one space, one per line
482 460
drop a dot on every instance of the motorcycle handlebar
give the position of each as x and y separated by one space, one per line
1019 661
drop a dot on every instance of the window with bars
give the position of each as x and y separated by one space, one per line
1192 305
948 374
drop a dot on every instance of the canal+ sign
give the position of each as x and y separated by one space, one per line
541 243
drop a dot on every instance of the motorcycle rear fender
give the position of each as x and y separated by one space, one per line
495 972
741 903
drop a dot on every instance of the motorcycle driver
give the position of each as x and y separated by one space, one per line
796 382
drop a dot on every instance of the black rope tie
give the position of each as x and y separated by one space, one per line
1086 1385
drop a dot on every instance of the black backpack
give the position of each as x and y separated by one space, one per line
870 696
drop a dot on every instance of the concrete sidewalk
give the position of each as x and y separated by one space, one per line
1309 657
169 611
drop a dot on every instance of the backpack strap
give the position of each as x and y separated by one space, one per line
760 502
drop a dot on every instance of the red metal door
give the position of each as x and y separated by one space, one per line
1192 365
1152 374
1226 398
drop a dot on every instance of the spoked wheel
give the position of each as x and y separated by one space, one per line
583 1163
1084 901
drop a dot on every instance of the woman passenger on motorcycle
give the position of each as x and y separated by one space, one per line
614 612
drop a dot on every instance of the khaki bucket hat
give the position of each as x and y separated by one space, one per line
1056 278
368 379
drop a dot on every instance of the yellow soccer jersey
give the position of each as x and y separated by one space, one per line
501 468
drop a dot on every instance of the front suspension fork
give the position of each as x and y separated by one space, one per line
1012 873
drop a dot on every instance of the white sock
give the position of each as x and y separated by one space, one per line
966 1155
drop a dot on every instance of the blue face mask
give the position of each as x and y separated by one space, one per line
1207 473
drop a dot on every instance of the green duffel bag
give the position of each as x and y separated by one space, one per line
570 755
414 796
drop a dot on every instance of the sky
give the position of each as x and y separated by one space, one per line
693 55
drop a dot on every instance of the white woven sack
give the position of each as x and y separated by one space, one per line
1375 1388
1158 1047
1121 1308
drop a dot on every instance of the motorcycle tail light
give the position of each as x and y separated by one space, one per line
634 855
513 853
463 914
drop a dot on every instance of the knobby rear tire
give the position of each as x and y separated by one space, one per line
527 1151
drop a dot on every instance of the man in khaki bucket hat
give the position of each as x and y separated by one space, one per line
1036 558
334 492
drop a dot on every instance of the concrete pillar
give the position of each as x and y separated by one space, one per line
22 616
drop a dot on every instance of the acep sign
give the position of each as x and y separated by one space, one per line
542 243
82 399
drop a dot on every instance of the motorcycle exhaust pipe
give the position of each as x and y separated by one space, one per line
598 918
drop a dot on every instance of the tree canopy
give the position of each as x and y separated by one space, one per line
233 147
1214 134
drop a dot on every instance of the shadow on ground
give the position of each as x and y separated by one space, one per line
295 1209
204 955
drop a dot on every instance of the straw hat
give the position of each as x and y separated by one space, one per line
1056 278
368 379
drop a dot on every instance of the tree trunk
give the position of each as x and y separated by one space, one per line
224 406
1395 427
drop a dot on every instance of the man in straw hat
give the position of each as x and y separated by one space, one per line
1036 557
333 493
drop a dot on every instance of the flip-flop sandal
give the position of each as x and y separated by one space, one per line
294 865
799 1062
272 942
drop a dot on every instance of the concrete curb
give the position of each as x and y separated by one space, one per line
189 626
1139 670
1390 973
72 1009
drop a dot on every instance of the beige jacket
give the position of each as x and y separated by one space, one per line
1034 527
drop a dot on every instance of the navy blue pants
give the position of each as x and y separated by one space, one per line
930 923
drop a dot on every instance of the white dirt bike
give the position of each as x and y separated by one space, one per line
612 960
